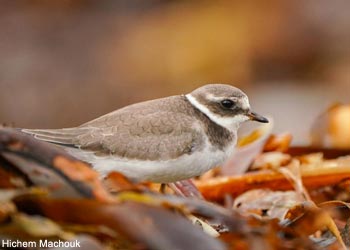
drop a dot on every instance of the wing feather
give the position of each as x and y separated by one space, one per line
64 136
144 131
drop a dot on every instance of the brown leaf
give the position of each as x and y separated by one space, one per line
308 218
313 176
154 227
33 157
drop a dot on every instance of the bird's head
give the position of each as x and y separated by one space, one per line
224 104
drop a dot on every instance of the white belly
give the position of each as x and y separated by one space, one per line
184 167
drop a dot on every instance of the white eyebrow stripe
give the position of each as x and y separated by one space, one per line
220 98
230 123
245 100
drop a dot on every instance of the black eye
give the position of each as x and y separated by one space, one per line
227 103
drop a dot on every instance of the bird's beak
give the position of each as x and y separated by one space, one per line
256 117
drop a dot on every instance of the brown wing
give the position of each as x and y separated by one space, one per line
145 131
146 137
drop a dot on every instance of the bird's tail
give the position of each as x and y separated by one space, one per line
65 136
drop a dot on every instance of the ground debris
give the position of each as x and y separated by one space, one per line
48 196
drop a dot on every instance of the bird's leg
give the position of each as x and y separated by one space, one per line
186 188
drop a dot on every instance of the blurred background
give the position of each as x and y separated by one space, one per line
64 62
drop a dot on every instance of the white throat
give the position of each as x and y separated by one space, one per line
230 123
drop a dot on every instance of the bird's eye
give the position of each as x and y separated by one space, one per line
227 103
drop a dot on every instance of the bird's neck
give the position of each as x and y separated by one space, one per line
217 134
230 123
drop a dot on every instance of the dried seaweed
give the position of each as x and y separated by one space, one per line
48 195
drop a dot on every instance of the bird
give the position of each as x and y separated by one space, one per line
162 140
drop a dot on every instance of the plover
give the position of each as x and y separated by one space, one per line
162 140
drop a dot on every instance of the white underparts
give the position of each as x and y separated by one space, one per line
183 167
231 123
